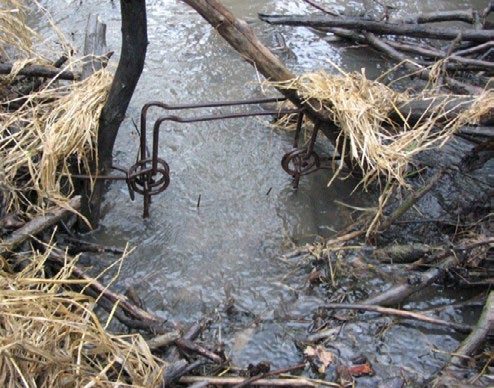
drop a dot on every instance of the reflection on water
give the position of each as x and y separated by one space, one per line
187 259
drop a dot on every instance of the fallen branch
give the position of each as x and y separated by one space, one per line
462 328
399 254
163 340
86 246
472 343
452 251
191 334
289 382
398 293
418 70
243 39
321 8
37 225
40 71
353 23
191 347
467 16
410 201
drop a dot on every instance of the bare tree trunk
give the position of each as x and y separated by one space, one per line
130 66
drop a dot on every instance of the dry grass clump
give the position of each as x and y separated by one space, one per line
383 148
16 38
51 337
361 109
54 127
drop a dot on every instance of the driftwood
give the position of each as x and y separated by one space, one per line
50 218
131 63
400 314
41 71
380 28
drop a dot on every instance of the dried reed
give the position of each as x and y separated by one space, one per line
362 108
55 127
51 337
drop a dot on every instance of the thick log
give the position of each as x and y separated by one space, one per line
41 71
130 66
242 38
380 28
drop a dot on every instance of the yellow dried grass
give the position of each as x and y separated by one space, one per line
54 127
51 337
16 38
382 148
361 109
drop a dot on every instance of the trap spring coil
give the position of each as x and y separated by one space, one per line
144 180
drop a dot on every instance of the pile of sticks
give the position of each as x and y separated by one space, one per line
412 41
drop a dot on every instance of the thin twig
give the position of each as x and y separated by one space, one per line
462 328
269 374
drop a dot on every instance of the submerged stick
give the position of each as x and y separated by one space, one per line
462 328
470 345
123 302
291 382
277 372
482 329
399 292
411 200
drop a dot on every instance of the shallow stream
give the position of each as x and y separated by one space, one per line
189 260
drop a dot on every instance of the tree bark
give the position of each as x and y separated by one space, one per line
130 66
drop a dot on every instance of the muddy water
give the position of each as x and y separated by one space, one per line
189 260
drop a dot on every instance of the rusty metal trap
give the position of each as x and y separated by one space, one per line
150 175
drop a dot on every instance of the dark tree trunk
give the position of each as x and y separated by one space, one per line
130 66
